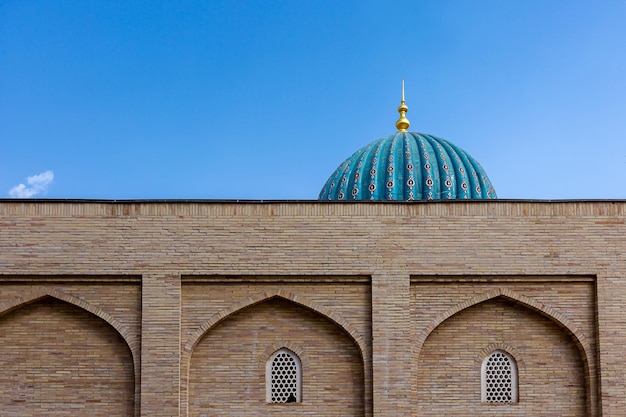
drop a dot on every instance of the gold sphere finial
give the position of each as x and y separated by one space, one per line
403 123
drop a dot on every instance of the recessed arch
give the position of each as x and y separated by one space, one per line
35 295
65 349
458 334
549 312
264 296
201 355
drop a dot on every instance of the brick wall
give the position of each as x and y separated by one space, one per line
196 261
227 372
563 303
550 367
58 359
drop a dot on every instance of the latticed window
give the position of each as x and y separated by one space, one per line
284 377
499 378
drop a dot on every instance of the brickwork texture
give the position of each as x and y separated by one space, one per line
172 308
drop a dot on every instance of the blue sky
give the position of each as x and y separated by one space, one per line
264 99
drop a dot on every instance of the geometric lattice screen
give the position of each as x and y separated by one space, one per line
284 377
499 378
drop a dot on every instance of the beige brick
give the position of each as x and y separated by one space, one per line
158 294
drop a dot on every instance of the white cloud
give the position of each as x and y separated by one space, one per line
37 184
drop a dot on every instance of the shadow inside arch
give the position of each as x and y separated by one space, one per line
552 314
38 295
259 298
80 307
560 320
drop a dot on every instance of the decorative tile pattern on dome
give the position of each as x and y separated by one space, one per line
408 166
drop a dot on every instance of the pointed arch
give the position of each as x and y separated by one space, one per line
283 344
258 298
35 295
265 296
581 342
551 313
38 294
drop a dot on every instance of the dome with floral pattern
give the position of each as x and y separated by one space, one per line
409 166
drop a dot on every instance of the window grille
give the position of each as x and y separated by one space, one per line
284 377
499 378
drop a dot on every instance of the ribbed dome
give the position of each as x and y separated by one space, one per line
408 166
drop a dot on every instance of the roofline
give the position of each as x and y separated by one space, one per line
252 201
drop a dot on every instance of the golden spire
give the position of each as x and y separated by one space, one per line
403 123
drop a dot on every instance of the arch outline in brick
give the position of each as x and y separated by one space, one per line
534 305
250 301
36 295
519 358
580 340
287 344
263 296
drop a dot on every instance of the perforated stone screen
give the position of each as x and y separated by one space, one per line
284 378
499 378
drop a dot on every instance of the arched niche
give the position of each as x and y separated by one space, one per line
60 358
227 367
553 375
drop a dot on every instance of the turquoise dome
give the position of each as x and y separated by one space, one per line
408 166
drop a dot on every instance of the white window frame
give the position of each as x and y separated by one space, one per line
268 376
514 378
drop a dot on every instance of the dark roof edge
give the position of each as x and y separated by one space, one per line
251 201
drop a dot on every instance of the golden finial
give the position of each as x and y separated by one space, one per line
403 123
